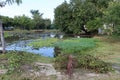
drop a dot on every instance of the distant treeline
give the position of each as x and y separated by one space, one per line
25 22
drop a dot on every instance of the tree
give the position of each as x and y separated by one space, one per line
7 22
63 17
83 12
3 3
37 18
79 15
47 23
112 16
23 22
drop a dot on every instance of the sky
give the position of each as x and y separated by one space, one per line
44 6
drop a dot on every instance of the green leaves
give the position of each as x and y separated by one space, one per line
63 17
112 16
39 22
94 24
23 22
88 61
83 61
72 17
13 1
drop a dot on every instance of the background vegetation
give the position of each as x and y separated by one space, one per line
86 16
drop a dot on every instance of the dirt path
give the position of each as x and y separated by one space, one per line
42 71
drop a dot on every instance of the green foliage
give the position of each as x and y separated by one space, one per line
47 23
77 48
87 61
61 61
101 4
7 34
23 22
84 61
39 22
14 1
3 3
112 13
63 17
76 45
16 59
117 30
43 42
112 16
7 22
72 17
37 18
94 24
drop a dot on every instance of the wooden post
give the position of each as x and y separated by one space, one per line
2 47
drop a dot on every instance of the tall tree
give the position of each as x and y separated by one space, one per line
78 15
38 20
63 17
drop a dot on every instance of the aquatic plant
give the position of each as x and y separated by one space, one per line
47 42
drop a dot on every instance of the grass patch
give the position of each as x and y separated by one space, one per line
76 45
43 42
7 34
107 50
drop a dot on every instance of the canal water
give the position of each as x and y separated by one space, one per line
23 46
20 43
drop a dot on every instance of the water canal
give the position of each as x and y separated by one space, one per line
22 45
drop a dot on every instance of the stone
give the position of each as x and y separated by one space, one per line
3 71
46 69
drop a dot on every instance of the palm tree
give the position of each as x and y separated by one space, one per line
3 3
14 1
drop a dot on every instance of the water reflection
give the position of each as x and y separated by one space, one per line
23 40
22 46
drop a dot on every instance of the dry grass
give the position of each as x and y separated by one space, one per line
107 50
